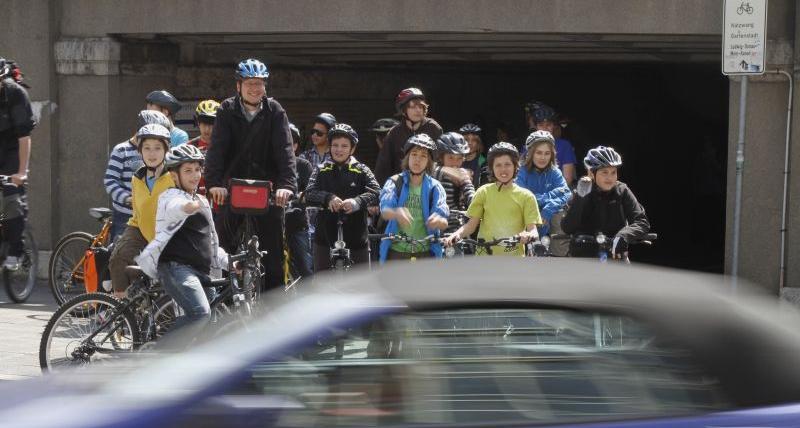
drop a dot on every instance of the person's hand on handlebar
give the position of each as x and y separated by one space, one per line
335 204
282 197
218 195
349 205
527 236
619 248
451 239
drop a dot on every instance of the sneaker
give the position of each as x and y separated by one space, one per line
11 263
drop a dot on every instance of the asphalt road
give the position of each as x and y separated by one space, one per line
21 327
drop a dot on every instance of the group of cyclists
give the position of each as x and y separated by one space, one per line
171 199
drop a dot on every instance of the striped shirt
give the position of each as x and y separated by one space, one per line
122 163
458 198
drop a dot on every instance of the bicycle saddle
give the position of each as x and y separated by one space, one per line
100 213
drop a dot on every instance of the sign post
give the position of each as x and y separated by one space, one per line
744 36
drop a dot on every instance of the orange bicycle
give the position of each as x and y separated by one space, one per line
66 274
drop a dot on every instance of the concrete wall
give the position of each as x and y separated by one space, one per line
765 136
99 17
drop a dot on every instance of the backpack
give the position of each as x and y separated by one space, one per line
95 268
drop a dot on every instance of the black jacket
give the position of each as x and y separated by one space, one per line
390 157
351 180
296 212
615 213
269 156
16 121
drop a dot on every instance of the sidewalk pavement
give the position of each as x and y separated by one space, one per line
21 327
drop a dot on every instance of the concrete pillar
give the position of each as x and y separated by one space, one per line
762 187
88 70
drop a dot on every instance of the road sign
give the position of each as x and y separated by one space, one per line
744 36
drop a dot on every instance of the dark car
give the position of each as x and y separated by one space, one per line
502 342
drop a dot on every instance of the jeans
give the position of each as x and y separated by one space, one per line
183 284
119 221
300 250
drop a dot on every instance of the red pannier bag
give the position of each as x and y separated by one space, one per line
250 196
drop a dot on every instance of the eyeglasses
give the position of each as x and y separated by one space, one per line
317 132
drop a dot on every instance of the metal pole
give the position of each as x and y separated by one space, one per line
786 176
737 210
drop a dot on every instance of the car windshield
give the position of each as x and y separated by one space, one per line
483 366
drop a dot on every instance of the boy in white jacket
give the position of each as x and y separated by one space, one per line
186 247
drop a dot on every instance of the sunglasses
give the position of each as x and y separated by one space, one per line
317 132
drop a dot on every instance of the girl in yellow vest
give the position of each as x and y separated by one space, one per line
147 184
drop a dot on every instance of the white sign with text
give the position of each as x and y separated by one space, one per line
744 36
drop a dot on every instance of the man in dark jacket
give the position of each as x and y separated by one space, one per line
410 103
251 140
16 123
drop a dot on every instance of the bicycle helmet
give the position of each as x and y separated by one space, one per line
252 69
602 157
146 117
326 119
164 99
343 130
153 130
295 132
452 142
383 125
543 113
206 111
538 137
500 149
419 140
470 128
407 95
532 106
182 154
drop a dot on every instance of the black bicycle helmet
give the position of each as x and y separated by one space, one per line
500 149
326 119
470 128
452 142
383 125
343 130
407 95
146 117
419 140
602 157
164 99
182 154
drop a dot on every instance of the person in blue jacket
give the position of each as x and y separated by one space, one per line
413 203
540 174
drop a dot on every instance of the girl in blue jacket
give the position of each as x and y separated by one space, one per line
414 203
540 174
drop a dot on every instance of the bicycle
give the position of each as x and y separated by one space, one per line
18 282
744 7
340 254
482 246
65 268
420 244
96 326
604 244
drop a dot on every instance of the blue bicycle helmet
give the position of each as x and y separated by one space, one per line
252 69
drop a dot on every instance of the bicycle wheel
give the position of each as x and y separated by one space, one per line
19 283
66 339
66 266
164 317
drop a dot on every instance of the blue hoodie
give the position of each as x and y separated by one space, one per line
389 199
550 189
